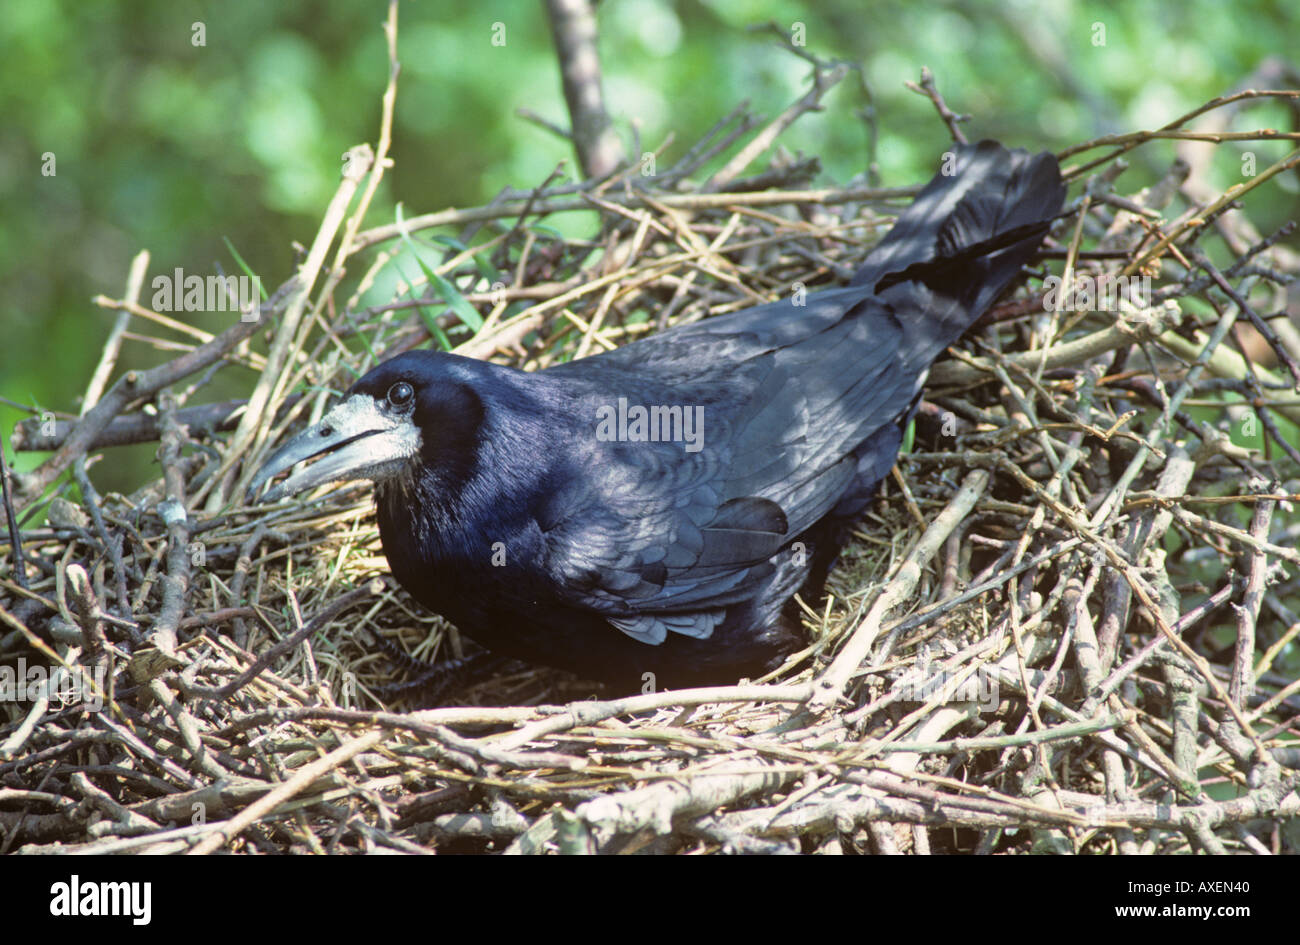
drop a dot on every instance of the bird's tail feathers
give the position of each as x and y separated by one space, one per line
965 237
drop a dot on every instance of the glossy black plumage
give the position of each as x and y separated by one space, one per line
514 516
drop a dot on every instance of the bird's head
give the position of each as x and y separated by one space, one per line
417 410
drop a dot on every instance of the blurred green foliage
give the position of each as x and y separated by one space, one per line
163 143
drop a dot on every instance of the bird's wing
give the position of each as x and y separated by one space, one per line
647 529
810 384
661 539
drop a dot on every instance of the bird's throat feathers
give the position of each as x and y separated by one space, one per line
467 489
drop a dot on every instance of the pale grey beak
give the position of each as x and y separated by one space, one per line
355 440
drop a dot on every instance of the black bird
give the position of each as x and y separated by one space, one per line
653 509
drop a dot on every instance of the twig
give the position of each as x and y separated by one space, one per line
830 685
1243 679
11 523
301 781
931 91
108 357
132 428
130 387
822 82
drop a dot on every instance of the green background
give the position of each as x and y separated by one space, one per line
167 146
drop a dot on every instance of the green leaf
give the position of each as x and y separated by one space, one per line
450 294
481 260
546 230
430 320
468 313
244 266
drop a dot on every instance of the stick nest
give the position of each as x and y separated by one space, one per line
1068 623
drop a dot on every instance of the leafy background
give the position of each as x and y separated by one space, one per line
175 147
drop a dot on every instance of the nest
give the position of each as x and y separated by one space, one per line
1068 623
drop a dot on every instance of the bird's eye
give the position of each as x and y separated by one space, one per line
401 394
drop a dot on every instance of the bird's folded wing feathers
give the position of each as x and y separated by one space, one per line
667 535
